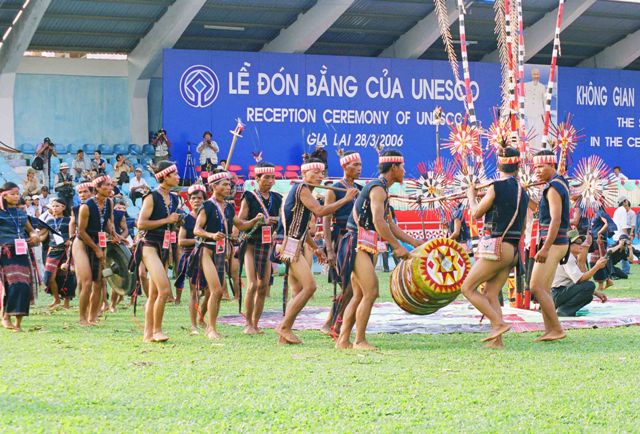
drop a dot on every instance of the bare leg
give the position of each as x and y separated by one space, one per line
215 292
83 276
193 311
541 280
486 271
301 272
365 272
148 313
18 326
6 322
234 267
96 299
53 287
159 279
261 295
349 318
252 289
492 289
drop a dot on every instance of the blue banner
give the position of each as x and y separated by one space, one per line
604 106
290 103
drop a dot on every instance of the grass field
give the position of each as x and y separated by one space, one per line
59 377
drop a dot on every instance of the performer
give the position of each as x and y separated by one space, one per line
58 282
256 248
554 245
84 190
95 221
504 207
120 225
298 209
186 240
334 228
457 228
16 270
213 224
158 214
369 219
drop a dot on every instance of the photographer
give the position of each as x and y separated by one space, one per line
161 144
572 288
621 251
208 150
121 170
64 185
43 158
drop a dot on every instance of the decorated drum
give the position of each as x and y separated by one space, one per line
431 278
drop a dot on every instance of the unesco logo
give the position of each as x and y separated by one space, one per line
199 86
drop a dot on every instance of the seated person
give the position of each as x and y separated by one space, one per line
572 288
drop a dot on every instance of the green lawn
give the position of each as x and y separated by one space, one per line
59 377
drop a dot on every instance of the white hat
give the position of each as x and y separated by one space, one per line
64 166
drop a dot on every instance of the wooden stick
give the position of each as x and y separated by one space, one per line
328 187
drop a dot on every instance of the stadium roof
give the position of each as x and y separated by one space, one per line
601 33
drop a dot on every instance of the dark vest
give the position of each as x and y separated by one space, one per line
295 213
562 187
215 221
96 217
272 204
341 216
504 206
13 223
160 212
363 206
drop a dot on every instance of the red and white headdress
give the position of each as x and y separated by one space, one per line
100 180
264 170
383 159
312 166
218 177
196 187
508 160
165 172
350 159
545 159
84 186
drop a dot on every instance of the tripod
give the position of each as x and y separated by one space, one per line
189 175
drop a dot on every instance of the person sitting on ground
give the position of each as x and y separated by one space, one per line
572 287
30 185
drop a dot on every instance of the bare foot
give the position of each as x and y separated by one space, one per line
326 330
194 331
340 345
250 330
159 337
54 305
551 336
84 323
202 324
147 340
112 309
497 332
288 336
364 345
213 335
496 344
260 331
608 284
17 329
8 324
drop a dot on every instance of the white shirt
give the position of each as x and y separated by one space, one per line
631 218
135 183
162 149
620 177
620 219
207 152
567 274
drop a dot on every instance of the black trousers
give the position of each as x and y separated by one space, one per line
570 299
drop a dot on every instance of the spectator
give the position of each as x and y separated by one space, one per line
64 185
222 164
80 166
138 187
30 185
29 207
35 205
44 198
618 175
98 165
621 219
161 144
572 288
45 151
121 170
208 150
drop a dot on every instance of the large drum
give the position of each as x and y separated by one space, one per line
116 265
431 278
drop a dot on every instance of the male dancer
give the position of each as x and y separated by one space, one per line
369 220
298 208
554 244
158 214
334 228
95 221
257 246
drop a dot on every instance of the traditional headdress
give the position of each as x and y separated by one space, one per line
100 180
346 159
217 177
165 172
311 166
196 187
